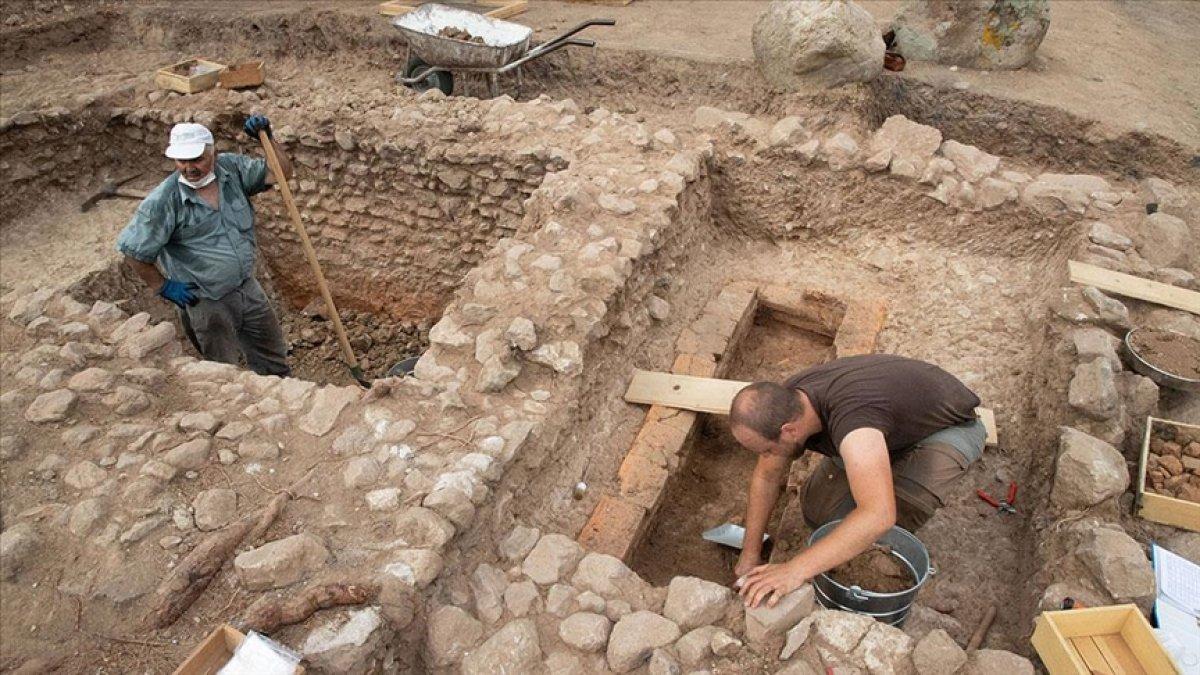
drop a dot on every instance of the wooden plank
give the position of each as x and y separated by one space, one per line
989 422
1089 651
1119 655
1055 650
503 8
1141 641
616 3
709 395
1134 287
1091 620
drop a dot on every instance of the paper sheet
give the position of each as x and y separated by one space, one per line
1178 580
1177 608
259 656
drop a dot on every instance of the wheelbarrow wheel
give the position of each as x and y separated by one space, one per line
442 79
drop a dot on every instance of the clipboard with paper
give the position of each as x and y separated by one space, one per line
1177 607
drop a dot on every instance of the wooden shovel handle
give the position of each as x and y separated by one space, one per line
309 253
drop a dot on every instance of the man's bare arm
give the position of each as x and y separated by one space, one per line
147 272
869 471
868 468
765 486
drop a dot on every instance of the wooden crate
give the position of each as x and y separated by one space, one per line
496 9
1099 640
1161 508
242 75
175 77
214 652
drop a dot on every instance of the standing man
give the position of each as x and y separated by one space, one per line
199 225
895 433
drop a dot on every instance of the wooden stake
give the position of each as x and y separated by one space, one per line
310 254
981 631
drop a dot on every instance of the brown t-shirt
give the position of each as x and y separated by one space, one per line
906 399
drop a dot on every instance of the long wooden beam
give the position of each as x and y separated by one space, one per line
710 395
1134 287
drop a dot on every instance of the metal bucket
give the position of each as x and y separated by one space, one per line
890 608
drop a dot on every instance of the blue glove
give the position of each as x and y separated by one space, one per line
256 123
179 293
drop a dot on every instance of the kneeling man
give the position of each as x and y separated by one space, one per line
895 433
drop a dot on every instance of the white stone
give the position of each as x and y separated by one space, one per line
762 622
635 637
384 499
450 633
416 567
419 527
553 558
513 649
91 379
85 476
813 45
327 405
281 562
190 455
1087 471
938 654
361 472
51 407
16 544
215 508
522 598
693 602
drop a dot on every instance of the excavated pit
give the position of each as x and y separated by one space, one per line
710 487
965 290
396 233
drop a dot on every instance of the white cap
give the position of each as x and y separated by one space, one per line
188 140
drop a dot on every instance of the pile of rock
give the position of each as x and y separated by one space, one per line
560 608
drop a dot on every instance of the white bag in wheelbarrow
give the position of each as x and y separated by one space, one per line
503 41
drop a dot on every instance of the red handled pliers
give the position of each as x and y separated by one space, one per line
1009 505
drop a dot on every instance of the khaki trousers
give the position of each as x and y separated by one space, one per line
921 478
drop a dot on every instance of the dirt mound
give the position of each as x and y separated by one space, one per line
377 344
877 570
1169 351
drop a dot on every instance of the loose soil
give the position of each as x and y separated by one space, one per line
711 488
1169 351
1173 464
878 570
378 345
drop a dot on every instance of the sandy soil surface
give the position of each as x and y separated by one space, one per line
1131 64
57 245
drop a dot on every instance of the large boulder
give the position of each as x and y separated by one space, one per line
1163 240
515 648
1118 563
984 34
809 45
1087 471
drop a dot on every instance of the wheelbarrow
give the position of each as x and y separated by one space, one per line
495 47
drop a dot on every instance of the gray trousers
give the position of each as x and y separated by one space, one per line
240 323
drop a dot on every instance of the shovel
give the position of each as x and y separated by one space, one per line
311 255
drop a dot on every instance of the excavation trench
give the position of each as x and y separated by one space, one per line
967 299
395 231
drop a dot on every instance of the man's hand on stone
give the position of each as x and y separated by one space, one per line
255 124
770 583
180 293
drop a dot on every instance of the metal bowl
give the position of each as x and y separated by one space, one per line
1160 377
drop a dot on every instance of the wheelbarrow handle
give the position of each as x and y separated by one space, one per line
554 44
543 50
